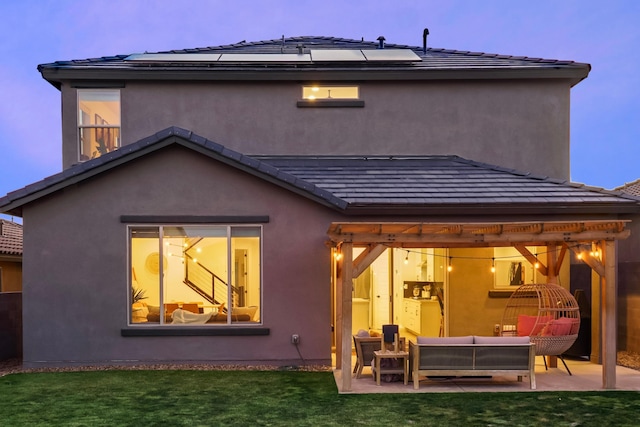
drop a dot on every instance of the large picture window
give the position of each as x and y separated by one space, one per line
195 275
98 122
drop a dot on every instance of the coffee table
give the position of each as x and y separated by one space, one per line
386 354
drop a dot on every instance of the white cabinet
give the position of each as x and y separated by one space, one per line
422 317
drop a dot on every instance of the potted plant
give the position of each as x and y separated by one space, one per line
139 310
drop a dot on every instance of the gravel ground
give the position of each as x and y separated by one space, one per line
12 366
625 358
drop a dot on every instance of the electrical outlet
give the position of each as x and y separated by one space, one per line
295 339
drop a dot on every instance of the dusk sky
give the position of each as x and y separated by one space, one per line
605 108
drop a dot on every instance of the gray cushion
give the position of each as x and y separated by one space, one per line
500 340
445 340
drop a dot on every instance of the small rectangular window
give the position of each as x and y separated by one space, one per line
330 92
98 122
317 96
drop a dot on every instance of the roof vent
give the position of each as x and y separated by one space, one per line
425 33
300 48
381 40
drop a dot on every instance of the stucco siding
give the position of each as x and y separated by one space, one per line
518 124
76 283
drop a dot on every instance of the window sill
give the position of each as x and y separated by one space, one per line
191 331
331 103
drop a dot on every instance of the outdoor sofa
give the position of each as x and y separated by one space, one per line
471 356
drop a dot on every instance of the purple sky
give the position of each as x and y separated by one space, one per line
605 112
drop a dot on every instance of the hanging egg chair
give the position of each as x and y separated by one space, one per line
545 312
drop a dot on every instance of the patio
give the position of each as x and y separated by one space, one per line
586 376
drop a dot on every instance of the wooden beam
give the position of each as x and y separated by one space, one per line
476 239
345 296
592 262
552 259
563 251
532 259
364 260
609 285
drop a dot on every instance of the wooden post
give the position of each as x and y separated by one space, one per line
346 310
608 293
552 361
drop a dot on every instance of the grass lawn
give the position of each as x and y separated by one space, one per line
282 398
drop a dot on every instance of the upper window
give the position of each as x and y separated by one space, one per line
314 96
195 275
330 92
98 122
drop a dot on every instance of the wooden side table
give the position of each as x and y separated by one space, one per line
386 354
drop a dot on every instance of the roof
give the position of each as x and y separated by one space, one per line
433 63
632 188
358 185
10 238
438 182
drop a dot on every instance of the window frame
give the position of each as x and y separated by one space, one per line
240 326
80 126
330 102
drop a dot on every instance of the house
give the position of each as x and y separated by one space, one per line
10 287
10 256
628 288
258 203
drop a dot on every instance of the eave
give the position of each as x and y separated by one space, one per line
57 75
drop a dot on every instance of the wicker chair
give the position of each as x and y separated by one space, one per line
548 314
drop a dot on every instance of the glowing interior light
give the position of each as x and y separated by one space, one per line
315 89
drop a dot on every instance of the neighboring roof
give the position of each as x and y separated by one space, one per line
402 185
434 63
10 238
632 188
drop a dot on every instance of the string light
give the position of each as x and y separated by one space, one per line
580 254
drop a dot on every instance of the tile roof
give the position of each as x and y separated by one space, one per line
433 62
372 184
442 180
10 238
632 188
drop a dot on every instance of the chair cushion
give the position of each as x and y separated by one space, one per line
500 340
558 327
445 340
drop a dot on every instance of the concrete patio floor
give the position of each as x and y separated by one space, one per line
586 376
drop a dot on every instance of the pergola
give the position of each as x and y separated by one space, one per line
558 236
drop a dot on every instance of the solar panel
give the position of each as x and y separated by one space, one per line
391 55
316 55
264 57
337 55
173 57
